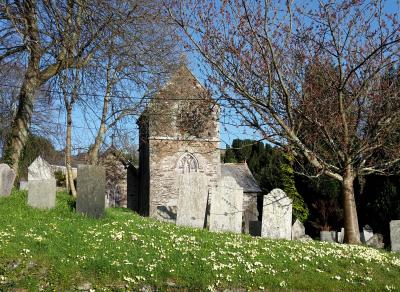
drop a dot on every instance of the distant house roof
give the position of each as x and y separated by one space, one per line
243 176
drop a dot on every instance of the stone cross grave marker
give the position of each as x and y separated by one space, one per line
226 210
91 190
298 230
7 177
277 215
395 235
192 199
40 169
42 193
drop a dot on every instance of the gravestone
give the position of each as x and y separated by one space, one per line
7 177
366 233
42 193
277 215
395 235
226 210
329 236
40 169
298 230
376 241
192 199
91 189
23 185
305 237
340 235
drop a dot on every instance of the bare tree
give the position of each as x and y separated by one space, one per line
51 36
258 55
11 76
137 57
69 83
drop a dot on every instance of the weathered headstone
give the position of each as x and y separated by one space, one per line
7 177
376 241
340 235
395 235
329 236
298 230
40 169
366 233
277 215
42 193
226 210
305 237
23 185
192 199
91 189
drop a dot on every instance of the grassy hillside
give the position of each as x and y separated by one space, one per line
61 250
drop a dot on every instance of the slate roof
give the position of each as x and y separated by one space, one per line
243 176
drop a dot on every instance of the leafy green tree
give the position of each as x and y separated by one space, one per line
381 203
300 209
271 168
35 146
229 155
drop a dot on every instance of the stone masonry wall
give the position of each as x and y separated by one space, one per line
164 169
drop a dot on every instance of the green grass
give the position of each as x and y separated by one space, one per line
60 250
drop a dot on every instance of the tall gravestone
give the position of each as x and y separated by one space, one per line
226 210
42 193
395 235
91 189
192 199
41 185
7 177
277 215
40 169
298 230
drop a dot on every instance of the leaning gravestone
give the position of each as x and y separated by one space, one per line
192 199
395 235
226 210
298 230
91 190
7 177
42 193
40 169
277 215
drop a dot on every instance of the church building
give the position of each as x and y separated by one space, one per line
179 133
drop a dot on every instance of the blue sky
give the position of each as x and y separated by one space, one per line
84 129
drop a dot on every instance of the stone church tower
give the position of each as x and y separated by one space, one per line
179 133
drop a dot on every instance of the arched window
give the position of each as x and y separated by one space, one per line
188 163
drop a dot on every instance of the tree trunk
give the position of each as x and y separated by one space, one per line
93 154
352 232
68 151
22 121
